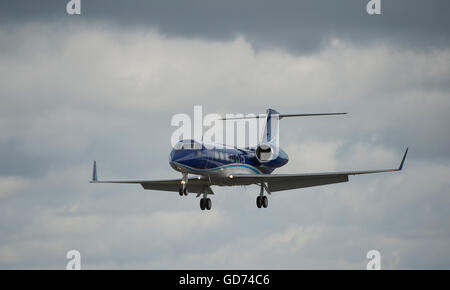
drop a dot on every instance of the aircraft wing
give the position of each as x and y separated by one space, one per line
278 182
194 185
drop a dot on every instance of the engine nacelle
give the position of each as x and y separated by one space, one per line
265 152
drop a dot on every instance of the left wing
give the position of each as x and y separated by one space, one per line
278 182
194 185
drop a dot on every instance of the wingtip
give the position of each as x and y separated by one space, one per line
403 159
94 172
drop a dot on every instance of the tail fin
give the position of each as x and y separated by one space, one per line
270 134
94 172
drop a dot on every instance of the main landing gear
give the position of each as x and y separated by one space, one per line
262 200
205 203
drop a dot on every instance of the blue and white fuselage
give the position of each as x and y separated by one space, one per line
219 163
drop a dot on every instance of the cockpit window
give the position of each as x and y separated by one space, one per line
178 146
188 145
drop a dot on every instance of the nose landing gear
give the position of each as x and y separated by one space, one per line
182 191
205 202
183 188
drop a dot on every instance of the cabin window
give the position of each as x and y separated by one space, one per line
188 145
194 145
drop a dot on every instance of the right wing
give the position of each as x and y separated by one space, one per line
278 182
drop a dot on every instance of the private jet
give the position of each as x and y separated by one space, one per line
230 166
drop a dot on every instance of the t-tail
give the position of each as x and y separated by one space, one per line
271 129
270 136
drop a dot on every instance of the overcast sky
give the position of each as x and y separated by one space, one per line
104 86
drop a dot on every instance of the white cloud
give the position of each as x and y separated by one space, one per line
310 156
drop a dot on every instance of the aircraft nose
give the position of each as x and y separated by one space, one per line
172 156
176 156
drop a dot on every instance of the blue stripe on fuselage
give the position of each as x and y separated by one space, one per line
204 170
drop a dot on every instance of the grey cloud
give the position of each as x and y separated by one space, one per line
295 25
74 97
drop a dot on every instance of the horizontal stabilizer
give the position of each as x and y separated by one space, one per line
281 116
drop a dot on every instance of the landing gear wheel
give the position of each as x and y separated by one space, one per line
208 203
185 191
202 204
205 203
265 201
180 191
258 201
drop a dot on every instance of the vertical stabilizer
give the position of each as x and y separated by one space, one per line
270 133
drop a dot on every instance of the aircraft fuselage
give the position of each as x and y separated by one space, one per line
219 163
